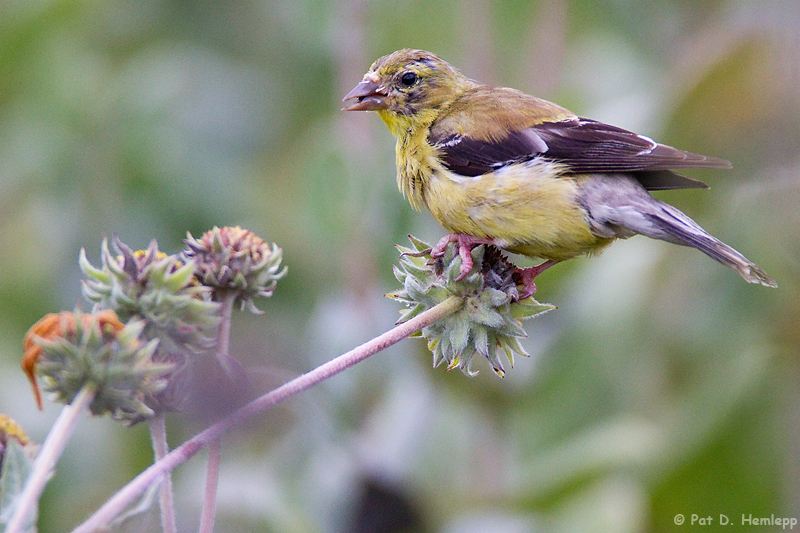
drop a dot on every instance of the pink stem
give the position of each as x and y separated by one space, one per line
182 453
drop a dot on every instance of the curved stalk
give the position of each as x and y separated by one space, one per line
48 456
182 453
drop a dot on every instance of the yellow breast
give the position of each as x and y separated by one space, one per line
527 207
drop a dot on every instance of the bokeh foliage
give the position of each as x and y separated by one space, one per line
663 384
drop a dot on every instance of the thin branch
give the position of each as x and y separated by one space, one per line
229 365
182 453
158 434
215 448
48 456
210 496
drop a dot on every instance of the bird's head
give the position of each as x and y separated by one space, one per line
407 87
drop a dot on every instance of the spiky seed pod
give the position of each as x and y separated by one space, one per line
157 288
72 350
235 259
491 315
52 326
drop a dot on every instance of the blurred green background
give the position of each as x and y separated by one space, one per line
663 384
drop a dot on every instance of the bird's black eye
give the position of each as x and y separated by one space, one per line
408 79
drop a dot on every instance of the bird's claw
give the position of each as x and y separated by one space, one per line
527 275
465 252
464 245
526 278
438 250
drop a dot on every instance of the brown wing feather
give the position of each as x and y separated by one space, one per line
583 145
590 146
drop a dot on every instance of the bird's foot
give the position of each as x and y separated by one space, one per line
527 275
464 246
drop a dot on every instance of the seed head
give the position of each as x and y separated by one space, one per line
491 315
71 350
235 259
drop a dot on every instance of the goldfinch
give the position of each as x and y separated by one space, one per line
497 166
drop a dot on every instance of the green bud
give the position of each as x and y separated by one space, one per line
232 259
491 315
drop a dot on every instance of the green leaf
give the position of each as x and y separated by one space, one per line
399 274
453 269
513 327
530 308
459 331
90 271
408 314
438 294
483 314
494 297
481 340
418 244
511 345
181 277
418 271
17 468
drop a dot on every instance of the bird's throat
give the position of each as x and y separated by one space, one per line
416 158
412 173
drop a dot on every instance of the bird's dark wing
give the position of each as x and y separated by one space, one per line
582 145
472 157
590 146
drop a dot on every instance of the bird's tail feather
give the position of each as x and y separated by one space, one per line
670 224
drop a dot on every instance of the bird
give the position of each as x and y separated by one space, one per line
496 166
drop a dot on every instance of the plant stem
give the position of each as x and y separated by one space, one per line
158 434
46 461
182 453
229 365
215 448
210 496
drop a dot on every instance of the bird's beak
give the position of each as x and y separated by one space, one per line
371 97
